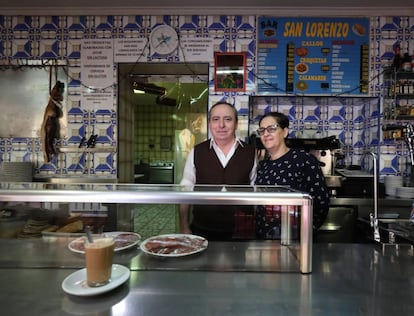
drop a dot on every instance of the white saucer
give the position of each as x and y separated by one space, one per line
75 284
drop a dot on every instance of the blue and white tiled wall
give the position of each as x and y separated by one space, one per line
354 120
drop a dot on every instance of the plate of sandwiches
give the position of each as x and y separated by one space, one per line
122 240
174 245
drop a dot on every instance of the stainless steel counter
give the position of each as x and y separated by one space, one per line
349 217
384 201
348 279
365 205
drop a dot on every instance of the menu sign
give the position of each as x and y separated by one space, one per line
313 55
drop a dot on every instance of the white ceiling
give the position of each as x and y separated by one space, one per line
211 7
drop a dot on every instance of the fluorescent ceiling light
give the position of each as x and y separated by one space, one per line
229 71
141 87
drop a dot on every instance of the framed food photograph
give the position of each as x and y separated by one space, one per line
230 71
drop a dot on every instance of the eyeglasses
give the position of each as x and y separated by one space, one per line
270 129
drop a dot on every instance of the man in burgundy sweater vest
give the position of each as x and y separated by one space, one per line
222 160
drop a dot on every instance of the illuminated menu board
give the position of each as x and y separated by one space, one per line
327 56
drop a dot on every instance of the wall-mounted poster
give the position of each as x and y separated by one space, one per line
230 71
327 56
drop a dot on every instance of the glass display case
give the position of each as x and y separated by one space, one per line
115 202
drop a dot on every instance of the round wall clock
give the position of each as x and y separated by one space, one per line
163 39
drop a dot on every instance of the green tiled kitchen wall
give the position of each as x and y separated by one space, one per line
151 124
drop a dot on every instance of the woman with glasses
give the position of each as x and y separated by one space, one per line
291 167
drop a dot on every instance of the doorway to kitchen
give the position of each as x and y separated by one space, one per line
162 114
168 104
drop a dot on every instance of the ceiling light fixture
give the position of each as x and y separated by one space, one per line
141 87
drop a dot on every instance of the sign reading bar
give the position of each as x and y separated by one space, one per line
327 56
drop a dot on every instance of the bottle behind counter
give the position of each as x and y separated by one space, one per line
406 62
412 62
397 62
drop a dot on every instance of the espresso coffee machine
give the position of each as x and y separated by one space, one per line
324 149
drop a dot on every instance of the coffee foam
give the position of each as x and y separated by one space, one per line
100 242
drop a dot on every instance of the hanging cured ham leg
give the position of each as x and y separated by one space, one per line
50 130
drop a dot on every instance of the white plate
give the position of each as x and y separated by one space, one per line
78 242
202 244
389 215
75 284
405 192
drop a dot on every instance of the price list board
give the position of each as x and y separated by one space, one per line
324 56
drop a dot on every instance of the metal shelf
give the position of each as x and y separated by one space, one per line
404 75
85 149
402 96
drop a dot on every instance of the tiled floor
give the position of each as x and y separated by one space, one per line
151 220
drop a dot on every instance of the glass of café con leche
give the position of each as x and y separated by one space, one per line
99 255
